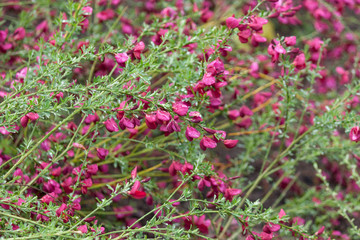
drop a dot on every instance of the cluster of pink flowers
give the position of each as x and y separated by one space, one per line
68 165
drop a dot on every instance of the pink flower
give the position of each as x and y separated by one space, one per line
174 168
92 169
256 39
138 49
299 61
135 192
19 34
281 213
29 116
42 27
180 108
60 210
134 172
233 114
32 116
83 228
231 192
105 15
244 35
257 23
232 22
271 227
354 134
51 197
3 36
86 183
216 67
245 111
150 120
230 143
163 116
87 10
111 125
195 117
320 231
45 145
121 59
78 145
201 223
207 142
24 121
102 153
208 79
4 131
126 123
191 133
290 41
280 49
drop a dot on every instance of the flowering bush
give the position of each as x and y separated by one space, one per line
202 119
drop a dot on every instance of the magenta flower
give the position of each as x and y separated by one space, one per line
207 142
134 172
61 209
201 223
233 114
51 197
299 61
180 108
19 34
32 116
230 143
83 228
320 231
257 23
102 153
111 125
256 39
191 133
91 118
45 145
150 120
281 213
290 41
216 67
208 79
78 145
232 22
245 111
121 59
271 227
126 123
174 168
92 169
231 192
163 116
138 49
244 35
195 117
3 35
135 191
29 116
85 184
354 134
105 15
87 10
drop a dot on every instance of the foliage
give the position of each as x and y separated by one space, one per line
179 119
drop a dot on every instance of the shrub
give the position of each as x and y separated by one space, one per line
179 119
